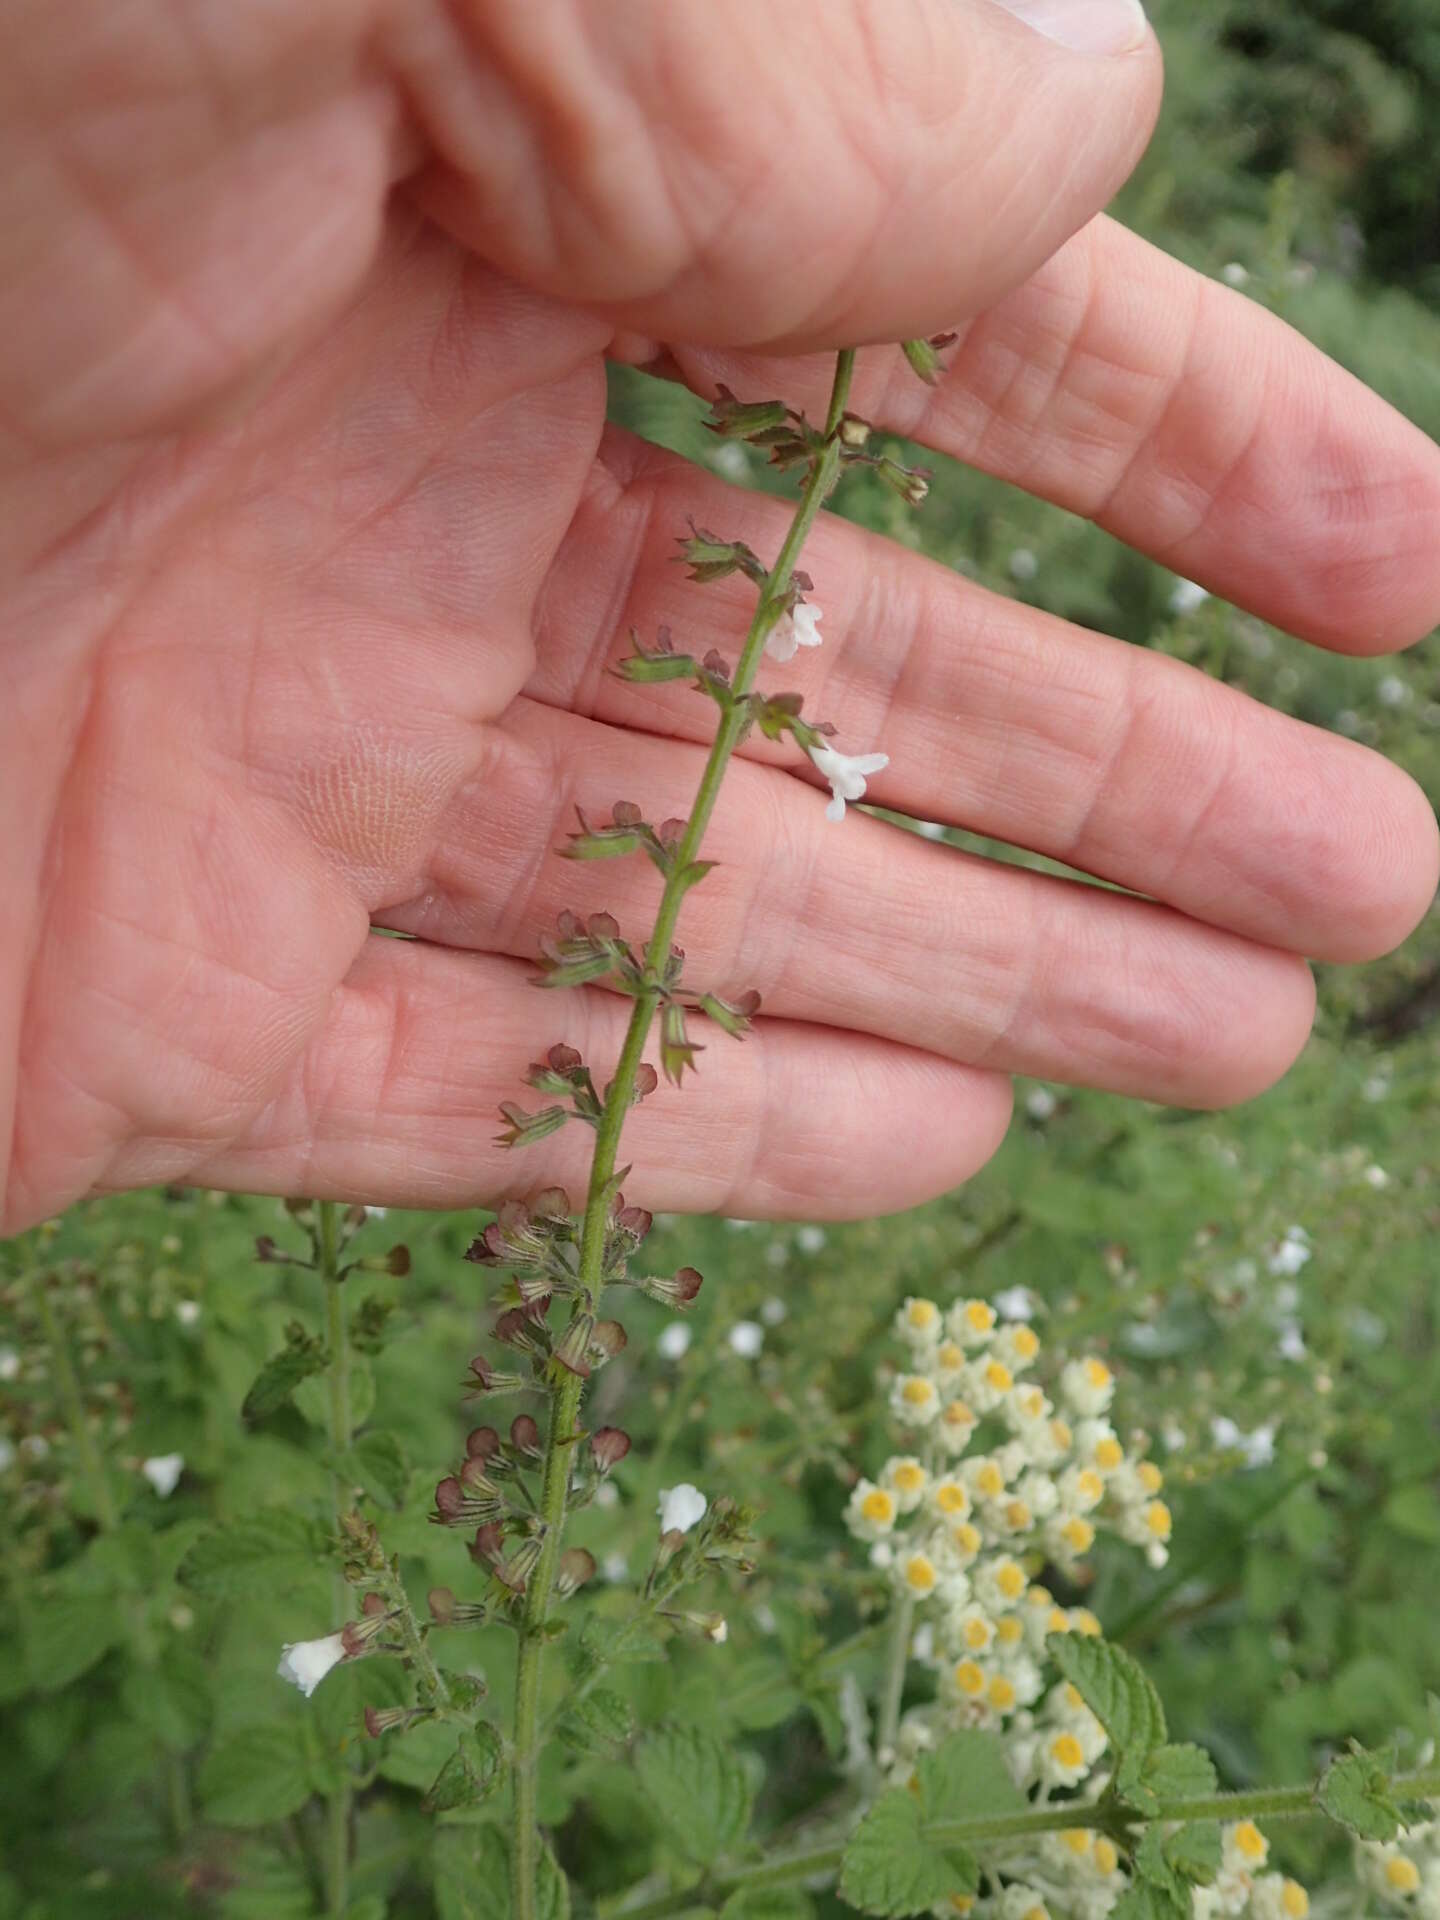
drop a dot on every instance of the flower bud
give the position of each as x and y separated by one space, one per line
515 1570
572 1349
525 1436
489 1543
676 1290
924 355
677 1050
441 1602
608 1447
736 419
854 432
575 1567
482 1443
608 1339
397 1262
523 1129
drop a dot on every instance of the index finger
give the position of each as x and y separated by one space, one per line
1182 418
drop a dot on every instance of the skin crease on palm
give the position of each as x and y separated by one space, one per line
314 549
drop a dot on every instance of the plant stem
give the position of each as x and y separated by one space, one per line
561 1434
68 1385
824 1860
887 1725
337 1851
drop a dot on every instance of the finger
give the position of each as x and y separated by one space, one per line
756 173
395 1102
1002 719
862 928
1182 418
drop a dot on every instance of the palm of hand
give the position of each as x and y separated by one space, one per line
335 656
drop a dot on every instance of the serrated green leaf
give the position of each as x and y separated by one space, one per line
1179 1859
67 1634
891 1869
254 1776
274 1550
965 1779
1143 1900
1354 1791
613 1643
377 1463
470 1774
1178 1772
1115 1687
302 1355
598 1722
698 1787
172 1700
471 1866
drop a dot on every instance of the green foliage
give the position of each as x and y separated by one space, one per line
697 1788
1116 1689
1354 1791
900 1859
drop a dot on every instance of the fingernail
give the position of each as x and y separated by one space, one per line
1086 26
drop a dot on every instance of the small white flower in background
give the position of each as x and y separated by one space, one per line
34 1446
1347 721
9 1364
777 1254
730 459
1040 1103
792 630
847 774
1291 1344
1234 275
1186 596
680 1507
1015 1303
607 1494
305 1663
1023 564
1392 691
674 1341
1376 1088
1377 1177
746 1338
163 1471
1366 1327
187 1312
1292 1253
881 1555
773 1310
810 1239
1257 1449
615 1568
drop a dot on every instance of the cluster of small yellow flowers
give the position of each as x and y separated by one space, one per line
1404 1875
1002 1479
1243 1886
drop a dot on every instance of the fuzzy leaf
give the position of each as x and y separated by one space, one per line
598 1722
470 1774
255 1776
302 1355
1183 1857
66 1634
1115 1687
377 1463
1180 1772
891 1869
1354 1791
698 1787
472 1873
965 1779
274 1550
1143 1900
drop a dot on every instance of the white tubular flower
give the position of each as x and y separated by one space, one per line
680 1507
1039 1492
972 1630
9 1364
1097 1445
1243 1847
956 1426
847 774
1062 1759
915 1573
919 1323
971 1322
1000 1583
305 1663
1292 1253
1018 1346
795 629
914 1400
163 1471
1081 1489
907 1480
1021 1902
871 1512
746 1338
1273 1897
1088 1386
674 1341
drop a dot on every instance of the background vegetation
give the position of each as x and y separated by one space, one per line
1293 1378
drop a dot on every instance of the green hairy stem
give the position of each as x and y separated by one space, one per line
561 1433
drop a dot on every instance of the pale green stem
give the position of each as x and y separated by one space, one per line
565 1398
337 1851
887 1725
822 1862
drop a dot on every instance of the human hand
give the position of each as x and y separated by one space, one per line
316 550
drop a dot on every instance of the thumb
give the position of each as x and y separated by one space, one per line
775 172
